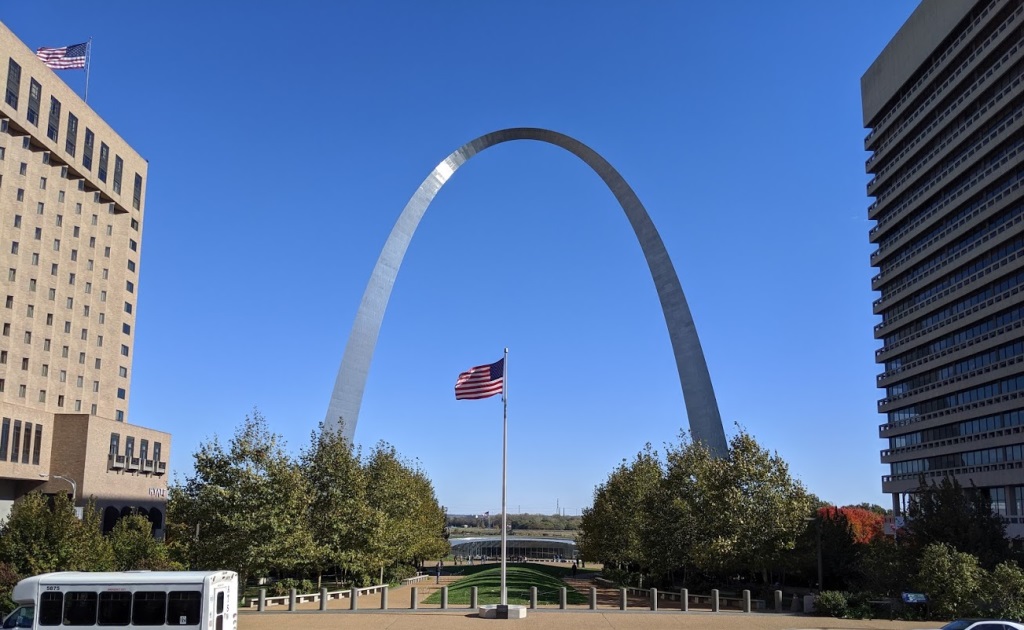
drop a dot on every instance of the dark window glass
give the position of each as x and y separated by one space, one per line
13 83
156 451
220 602
118 168
38 442
72 134
53 125
28 442
115 443
129 446
16 441
104 156
137 192
80 609
115 608
183 608
144 450
35 94
4 434
90 138
51 608
149 608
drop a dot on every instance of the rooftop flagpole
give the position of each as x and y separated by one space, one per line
88 62
504 472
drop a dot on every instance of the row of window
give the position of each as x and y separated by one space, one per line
984 457
956 399
23 392
121 608
964 366
976 426
983 294
992 323
70 145
129 447
990 258
17 445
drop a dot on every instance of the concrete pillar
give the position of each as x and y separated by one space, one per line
291 600
414 600
623 599
778 601
354 604
684 600
746 601
654 599
384 598
473 605
444 598
261 603
533 597
714 600
593 598
323 598
562 598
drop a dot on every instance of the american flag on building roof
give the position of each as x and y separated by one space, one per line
65 57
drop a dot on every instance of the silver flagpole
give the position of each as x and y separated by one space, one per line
88 62
504 472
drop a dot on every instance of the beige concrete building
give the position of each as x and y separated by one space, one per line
944 103
72 200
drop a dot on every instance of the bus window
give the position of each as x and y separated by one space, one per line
51 608
183 608
149 608
115 608
80 608
220 610
21 617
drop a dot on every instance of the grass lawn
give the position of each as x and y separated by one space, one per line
519 577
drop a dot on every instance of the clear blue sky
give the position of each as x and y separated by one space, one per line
284 139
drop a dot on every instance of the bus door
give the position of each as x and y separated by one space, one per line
220 596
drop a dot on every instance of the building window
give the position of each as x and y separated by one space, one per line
21 391
78 405
53 125
104 156
95 385
5 430
35 94
60 400
24 364
28 336
137 192
17 220
118 169
131 265
144 450
7 329
124 350
46 345
42 183
156 451
63 377
998 497
128 307
121 394
3 357
122 371
132 245
21 194
129 286
28 440
38 442
45 370
14 247
115 443
13 86
119 415
90 138
42 395
15 441
126 329
72 135
129 447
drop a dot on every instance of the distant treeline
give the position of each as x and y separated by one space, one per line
516 521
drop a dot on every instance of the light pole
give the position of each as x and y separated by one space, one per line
74 486
817 521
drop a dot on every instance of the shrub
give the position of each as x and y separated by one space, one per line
1004 592
831 604
284 587
952 580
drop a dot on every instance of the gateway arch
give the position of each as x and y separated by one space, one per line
698 394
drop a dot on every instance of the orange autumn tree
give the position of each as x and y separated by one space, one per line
866 525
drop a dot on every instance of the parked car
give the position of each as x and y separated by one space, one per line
982 624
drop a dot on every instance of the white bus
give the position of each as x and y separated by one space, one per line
192 600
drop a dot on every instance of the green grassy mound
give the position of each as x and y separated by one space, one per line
519 579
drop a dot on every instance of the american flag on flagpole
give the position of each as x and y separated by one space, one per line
65 57
482 381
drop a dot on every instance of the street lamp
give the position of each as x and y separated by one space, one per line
74 486
817 520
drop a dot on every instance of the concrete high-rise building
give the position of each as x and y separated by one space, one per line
72 200
944 103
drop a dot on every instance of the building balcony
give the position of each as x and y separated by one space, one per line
147 465
132 463
115 462
161 468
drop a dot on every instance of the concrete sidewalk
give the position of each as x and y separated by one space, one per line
557 620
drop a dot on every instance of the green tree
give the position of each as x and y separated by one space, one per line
961 517
1004 592
247 504
43 535
952 580
612 531
339 516
135 548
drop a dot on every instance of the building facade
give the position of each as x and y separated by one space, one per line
944 104
72 200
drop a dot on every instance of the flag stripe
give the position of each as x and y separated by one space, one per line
481 381
65 57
